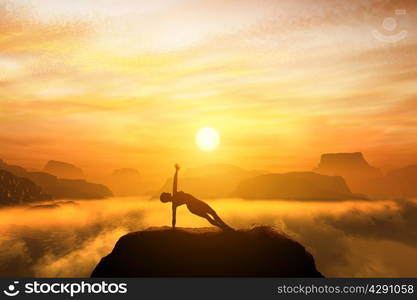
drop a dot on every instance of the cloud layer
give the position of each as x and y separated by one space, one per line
351 239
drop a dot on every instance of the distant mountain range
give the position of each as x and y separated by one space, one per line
337 176
364 178
295 186
59 188
353 167
222 181
18 191
210 181
122 182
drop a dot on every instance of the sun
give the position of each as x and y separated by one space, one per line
207 139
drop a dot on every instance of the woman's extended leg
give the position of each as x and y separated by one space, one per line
204 215
203 210
212 221
220 222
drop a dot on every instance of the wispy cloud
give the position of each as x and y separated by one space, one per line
291 75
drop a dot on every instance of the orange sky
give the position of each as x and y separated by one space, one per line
109 84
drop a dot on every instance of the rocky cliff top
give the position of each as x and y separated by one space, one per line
163 252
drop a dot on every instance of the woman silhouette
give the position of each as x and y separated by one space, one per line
194 205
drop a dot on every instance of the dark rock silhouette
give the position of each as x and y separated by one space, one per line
15 170
17 191
297 186
211 181
163 252
353 167
124 182
60 188
63 170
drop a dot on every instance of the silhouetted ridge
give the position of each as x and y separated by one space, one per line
60 188
295 185
159 252
63 170
16 190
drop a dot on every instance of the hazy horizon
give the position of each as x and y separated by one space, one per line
150 186
108 86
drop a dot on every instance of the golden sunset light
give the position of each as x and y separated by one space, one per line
207 139
126 84
249 116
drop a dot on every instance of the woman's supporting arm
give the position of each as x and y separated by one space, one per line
174 215
175 185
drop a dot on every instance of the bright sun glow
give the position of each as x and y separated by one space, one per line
207 139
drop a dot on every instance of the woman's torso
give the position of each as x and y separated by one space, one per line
181 198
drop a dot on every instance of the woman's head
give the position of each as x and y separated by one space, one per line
165 197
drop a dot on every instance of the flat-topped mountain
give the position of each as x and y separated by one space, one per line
63 170
206 252
60 188
353 167
295 186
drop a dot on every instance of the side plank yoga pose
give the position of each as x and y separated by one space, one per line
194 205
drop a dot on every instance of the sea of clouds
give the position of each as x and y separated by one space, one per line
347 239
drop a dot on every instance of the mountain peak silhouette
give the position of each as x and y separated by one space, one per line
63 170
295 186
17 191
60 188
348 161
353 167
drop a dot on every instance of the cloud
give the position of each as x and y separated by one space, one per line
68 248
391 223
346 239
